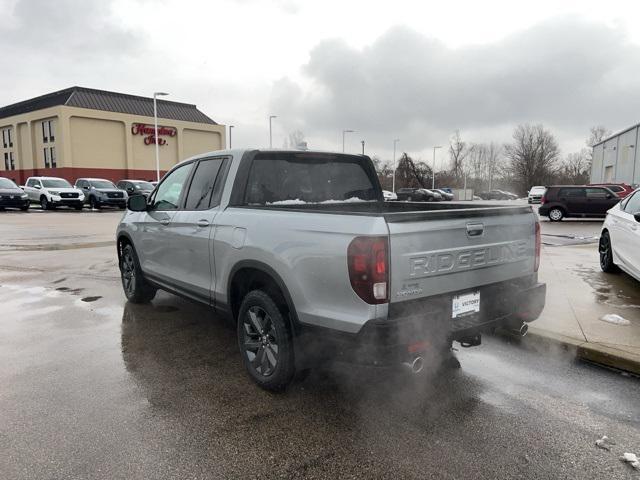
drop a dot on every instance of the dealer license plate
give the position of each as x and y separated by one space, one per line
465 304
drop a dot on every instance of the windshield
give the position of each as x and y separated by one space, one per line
55 183
6 183
102 184
143 185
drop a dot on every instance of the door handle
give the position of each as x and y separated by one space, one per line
164 221
203 223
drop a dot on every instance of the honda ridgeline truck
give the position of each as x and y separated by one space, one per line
302 253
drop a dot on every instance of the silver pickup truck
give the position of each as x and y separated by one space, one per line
302 253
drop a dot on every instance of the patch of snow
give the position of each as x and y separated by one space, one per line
632 459
605 443
297 201
615 319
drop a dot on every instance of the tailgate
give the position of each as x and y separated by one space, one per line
459 250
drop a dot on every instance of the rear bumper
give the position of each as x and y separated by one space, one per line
425 325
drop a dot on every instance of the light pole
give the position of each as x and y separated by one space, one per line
155 123
271 117
343 134
230 127
393 183
362 142
433 173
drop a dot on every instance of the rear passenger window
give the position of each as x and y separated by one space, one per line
596 193
203 183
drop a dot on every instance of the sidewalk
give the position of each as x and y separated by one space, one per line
578 296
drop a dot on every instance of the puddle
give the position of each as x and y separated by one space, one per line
615 290
165 308
91 299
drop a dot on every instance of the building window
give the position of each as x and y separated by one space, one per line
48 133
46 158
7 141
52 156
6 161
12 161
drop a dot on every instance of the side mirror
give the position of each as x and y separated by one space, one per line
609 196
137 203
637 216
86 187
38 187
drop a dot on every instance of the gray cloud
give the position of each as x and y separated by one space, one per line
566 73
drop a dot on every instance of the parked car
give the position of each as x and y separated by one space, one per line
417 195
620 237
535 194
497 195
389 196
52 192
562 201
12 196
136 187
444 194
311 264
99 193
620 189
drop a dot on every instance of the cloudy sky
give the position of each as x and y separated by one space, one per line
414 70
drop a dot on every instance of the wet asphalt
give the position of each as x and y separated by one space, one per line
94 387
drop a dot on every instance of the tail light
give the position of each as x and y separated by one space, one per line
368 260
536 263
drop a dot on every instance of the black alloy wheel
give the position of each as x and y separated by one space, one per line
44 203
93 203
606 254
135 287
265 342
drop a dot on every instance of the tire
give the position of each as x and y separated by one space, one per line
136 288
93 203
606 254
261 327
122 207
25 207
44 203
556 214
79 207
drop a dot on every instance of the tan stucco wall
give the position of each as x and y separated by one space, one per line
88 138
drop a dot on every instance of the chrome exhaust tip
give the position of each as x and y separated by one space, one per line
416 365
524 328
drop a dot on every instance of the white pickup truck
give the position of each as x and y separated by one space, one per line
302 252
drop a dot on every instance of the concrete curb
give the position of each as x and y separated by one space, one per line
589 351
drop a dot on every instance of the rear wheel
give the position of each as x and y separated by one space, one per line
136 288
606 254
556 214
265 342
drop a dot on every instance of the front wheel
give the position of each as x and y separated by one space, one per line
93 203
44 203
556 214
265 342
136 288
25 207
606 254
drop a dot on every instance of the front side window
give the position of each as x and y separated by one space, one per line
204 180
169 191
143 186
289 178
572 192
633 204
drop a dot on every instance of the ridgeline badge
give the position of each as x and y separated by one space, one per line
149 133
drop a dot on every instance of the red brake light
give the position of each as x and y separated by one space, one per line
367 259
536 263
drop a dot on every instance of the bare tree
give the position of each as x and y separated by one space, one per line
575 168
597 134
295 139
533 156
412 173
458 151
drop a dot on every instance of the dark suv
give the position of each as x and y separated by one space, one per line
576 201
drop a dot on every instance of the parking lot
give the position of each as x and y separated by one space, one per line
95 387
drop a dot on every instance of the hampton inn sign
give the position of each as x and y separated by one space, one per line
82 132
149 133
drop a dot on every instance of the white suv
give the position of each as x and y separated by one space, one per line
51 192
